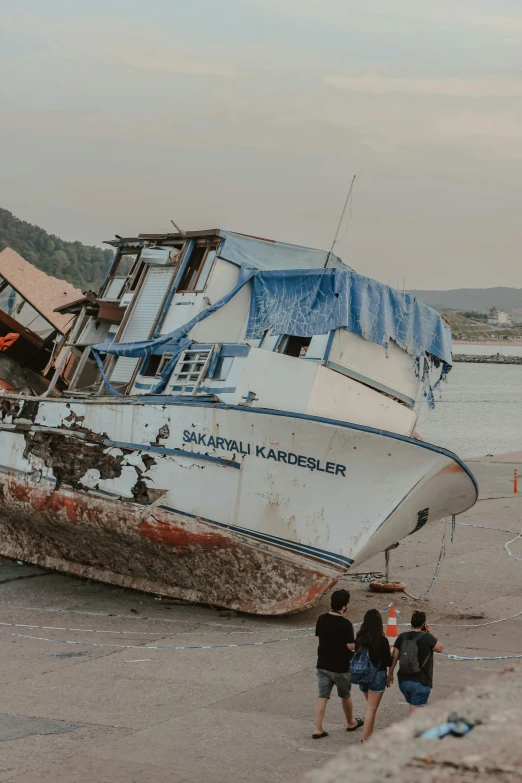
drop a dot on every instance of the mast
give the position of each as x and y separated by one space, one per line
340 221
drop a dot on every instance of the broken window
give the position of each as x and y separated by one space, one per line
294 346
136 275
198 268
123 274
156 365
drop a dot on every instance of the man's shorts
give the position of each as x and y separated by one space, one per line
415 693
326 680
377 685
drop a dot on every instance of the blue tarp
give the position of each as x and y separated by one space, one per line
263 254
306 302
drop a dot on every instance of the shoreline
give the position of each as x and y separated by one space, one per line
513 341
490 358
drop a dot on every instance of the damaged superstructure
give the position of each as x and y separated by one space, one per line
31 330
236 425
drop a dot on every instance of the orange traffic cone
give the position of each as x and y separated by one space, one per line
391 627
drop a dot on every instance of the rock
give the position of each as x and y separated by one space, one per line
490 753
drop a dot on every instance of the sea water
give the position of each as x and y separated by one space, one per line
478 411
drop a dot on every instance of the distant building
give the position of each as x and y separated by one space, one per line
498 317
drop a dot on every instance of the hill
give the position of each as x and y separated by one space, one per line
467 299
82 265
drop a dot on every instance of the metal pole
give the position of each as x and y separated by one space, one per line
340 221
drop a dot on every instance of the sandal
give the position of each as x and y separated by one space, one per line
360 722
320 736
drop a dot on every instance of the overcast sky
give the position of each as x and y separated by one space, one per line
253 115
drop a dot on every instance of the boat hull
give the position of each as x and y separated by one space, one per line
254 510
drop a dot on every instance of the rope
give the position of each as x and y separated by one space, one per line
228 646
436 572
484 527
51 610
478 625
153 647
479 658
508 550
115 632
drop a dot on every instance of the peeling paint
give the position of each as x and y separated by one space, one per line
70 458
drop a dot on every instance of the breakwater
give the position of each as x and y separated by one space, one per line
496 358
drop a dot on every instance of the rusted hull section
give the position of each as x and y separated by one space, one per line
154 551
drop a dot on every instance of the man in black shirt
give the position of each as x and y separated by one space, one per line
336 645
416 688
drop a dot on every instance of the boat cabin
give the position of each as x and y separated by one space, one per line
201 315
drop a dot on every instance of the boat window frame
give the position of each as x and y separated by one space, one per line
208 246
189 386
282 346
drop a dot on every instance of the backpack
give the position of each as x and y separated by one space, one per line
362 670
409 656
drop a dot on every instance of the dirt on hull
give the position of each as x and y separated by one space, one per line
152 549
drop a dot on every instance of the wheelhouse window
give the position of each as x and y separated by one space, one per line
136 274
294 346
223 365
156 365
199 266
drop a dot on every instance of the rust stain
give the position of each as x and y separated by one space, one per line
172 535
453 468
105 539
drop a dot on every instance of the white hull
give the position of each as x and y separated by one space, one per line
252 509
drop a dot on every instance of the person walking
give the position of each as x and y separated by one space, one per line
371 638
413 651
335 650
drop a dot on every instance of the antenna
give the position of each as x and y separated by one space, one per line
178 229
340 221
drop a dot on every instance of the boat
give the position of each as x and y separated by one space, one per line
236 426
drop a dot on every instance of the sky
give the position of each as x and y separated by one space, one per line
254 115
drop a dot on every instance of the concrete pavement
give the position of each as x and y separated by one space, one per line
73 713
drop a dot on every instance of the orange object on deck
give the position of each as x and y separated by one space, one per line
7 341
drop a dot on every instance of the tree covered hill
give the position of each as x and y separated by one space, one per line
82 265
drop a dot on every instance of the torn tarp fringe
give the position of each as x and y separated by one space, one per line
308 302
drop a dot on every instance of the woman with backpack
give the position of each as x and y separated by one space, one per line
369 664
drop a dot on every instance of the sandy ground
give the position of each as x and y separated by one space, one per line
76 713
